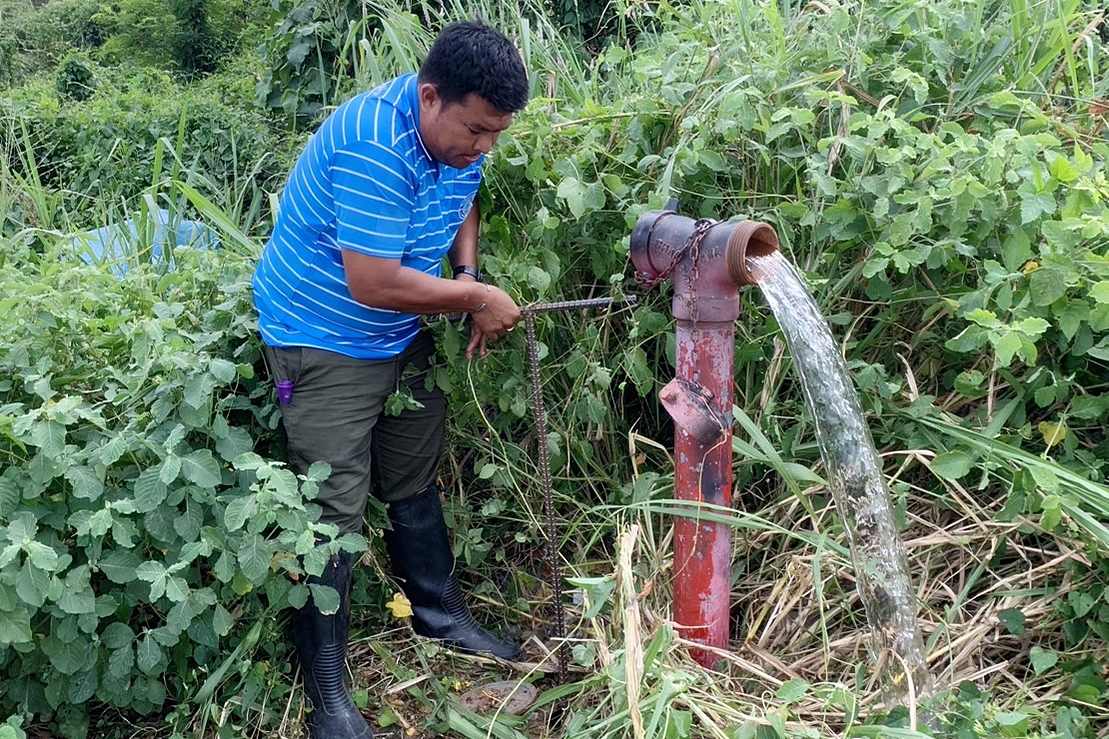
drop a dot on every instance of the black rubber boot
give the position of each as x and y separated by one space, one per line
321 642
421 558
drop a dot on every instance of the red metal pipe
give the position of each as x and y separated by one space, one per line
707 262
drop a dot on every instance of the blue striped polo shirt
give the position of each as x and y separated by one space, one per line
366 183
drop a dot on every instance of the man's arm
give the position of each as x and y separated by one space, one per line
385 283
463 252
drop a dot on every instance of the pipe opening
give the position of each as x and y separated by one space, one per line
749 239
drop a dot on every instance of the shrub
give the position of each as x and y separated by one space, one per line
143 536
74 79
101 151
48 34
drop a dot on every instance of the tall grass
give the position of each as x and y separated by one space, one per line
735 107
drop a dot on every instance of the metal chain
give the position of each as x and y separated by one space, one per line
646 282
693 246
554 561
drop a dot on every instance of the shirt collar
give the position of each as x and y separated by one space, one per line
412 92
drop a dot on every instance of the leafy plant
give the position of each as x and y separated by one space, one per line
139 525
74 79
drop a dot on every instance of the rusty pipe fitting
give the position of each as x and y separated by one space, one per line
707 260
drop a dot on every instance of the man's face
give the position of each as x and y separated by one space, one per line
458 134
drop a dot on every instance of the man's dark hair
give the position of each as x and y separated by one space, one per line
471 57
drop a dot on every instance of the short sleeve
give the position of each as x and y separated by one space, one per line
374 196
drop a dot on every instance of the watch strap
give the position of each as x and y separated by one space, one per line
467 270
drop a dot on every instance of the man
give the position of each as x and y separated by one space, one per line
382 192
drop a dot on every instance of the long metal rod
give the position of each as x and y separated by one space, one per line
554 561
577 304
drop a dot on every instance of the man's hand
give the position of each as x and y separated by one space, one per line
499 315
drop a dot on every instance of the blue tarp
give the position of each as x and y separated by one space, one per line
122 245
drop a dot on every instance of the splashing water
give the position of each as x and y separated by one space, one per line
855 478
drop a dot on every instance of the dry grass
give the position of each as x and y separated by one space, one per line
796 617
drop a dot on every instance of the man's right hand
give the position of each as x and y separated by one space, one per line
499 316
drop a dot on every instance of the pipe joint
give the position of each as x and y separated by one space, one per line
706 260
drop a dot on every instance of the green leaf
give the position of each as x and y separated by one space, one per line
221 621
149 656
1035 204
254 557
1046 285
117 635
176 589
150 491
155 574
48 436
1081 602
15 626
1033 326
1013 621
792 691
1016 250
969 339
539 278
1100 292
238 511
82 686
32 585
72 656
1012 724
120 662
9 497
201 469
119 565
1062 170
42 555
325 598
1006 346
573 192
236 442
1042 659
99 523
110 453
198 390
1046 479
597 590
284 484
222 370
187 525
951 465
984 318
84 482
77 600
319 471
171 468
970 383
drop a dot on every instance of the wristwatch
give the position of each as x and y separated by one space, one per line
471 271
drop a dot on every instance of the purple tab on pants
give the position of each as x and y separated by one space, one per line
284 392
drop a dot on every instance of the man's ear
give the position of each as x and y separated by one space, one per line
429 95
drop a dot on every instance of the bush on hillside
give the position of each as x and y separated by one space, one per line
101 151
46 35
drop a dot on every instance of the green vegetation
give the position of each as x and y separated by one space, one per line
938 173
